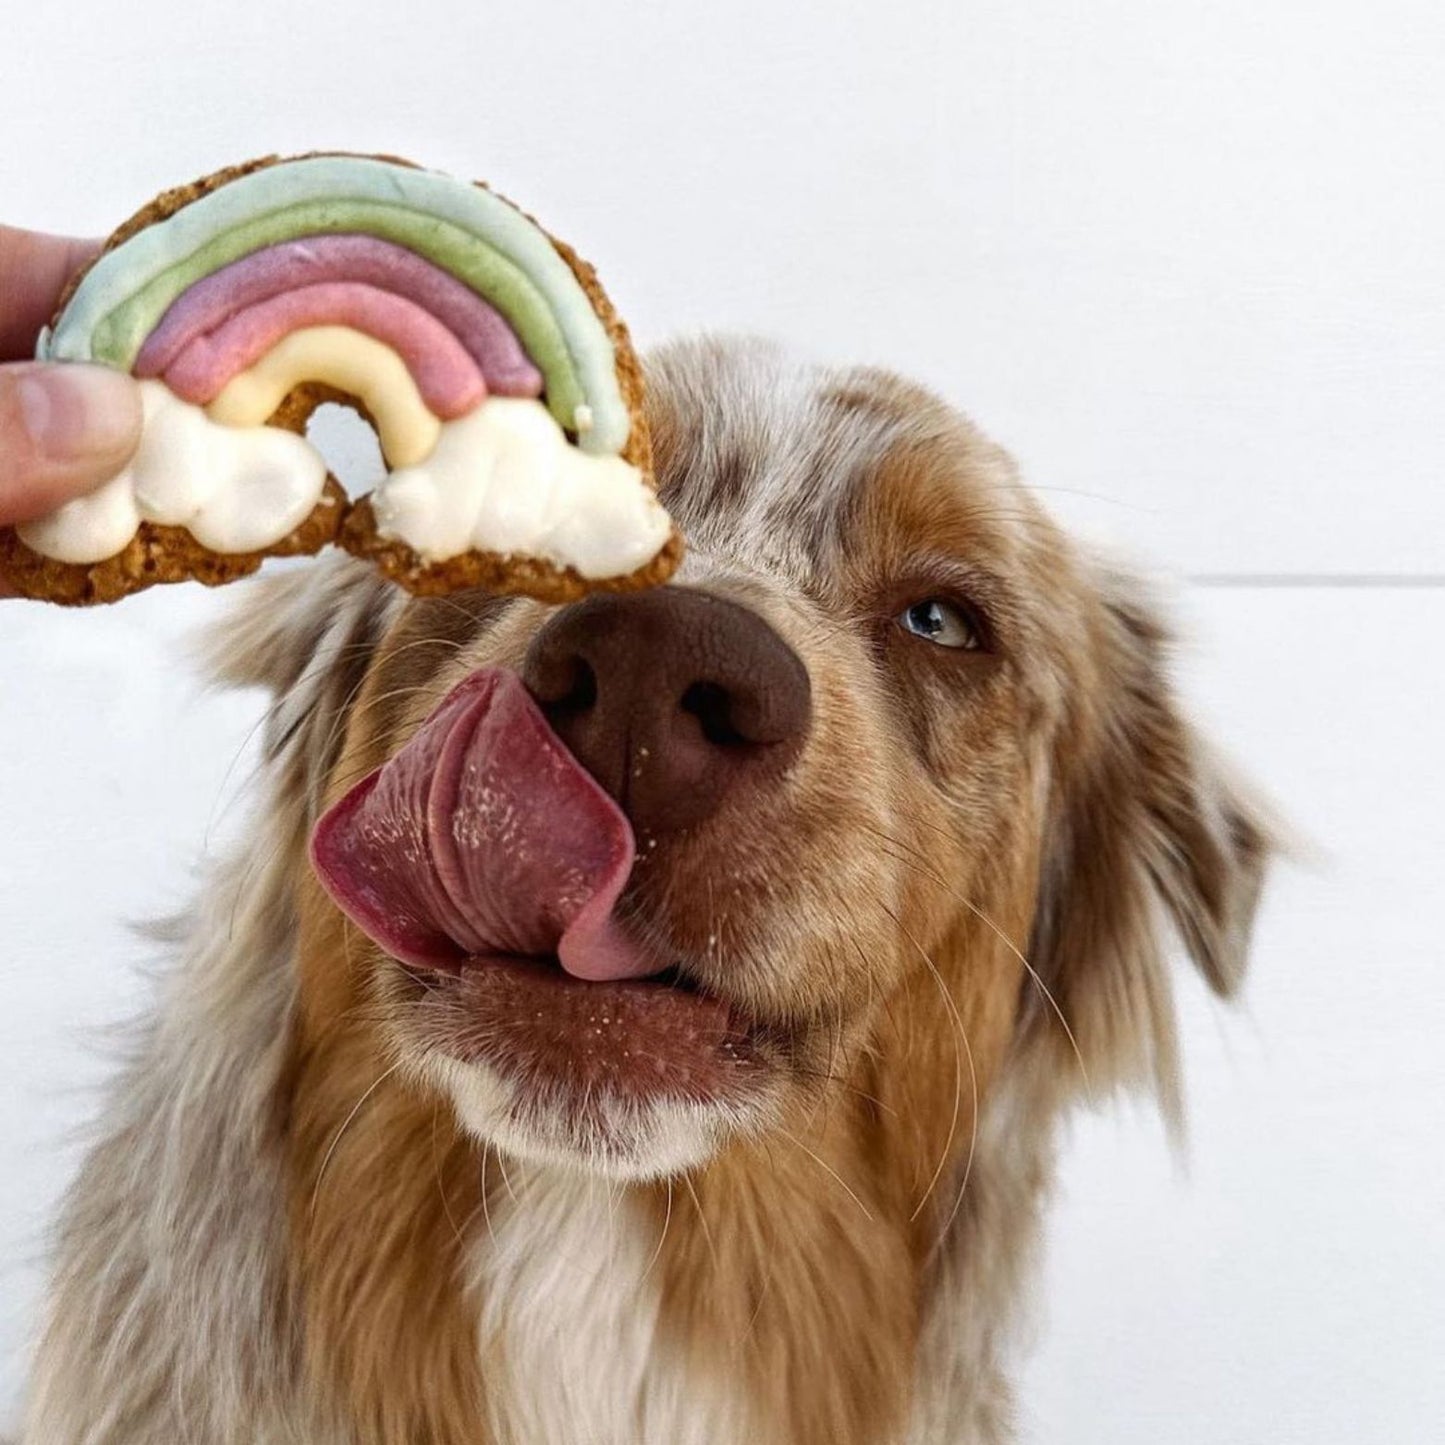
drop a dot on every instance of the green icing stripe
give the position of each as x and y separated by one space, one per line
484 241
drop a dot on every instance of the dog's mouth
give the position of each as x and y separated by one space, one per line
637 1040
489 863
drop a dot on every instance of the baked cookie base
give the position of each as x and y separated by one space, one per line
157 554
502 575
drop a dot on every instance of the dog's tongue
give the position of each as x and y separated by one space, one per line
483 835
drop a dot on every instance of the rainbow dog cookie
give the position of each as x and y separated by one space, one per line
501 384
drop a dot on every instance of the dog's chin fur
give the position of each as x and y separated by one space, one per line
306 1219
631 1143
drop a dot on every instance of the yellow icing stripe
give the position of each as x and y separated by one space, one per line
350 361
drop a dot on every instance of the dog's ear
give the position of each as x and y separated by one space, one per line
305 634
1150 840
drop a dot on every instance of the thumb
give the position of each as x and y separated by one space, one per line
64 429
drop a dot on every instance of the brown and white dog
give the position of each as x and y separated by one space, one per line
915 817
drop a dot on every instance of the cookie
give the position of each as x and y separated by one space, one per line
502 386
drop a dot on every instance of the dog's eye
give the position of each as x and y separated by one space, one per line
946 623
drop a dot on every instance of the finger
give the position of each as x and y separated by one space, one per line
64 430
34 269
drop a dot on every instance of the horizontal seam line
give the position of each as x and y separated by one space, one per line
1317 579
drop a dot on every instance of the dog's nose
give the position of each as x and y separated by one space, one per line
670 699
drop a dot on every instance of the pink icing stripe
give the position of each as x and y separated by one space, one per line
311 260
445 375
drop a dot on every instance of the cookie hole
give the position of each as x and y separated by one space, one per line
347 442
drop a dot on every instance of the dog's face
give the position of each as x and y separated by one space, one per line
884 739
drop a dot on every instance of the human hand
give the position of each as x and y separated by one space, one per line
64 429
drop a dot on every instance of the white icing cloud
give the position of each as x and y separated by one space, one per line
235 489
504 478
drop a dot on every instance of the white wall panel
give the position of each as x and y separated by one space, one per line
1283 1283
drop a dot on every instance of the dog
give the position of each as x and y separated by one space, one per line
914 819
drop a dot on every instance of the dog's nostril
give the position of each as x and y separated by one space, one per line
712 705
565 685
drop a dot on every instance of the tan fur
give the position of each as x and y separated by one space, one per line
965 933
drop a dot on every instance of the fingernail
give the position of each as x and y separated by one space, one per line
73 412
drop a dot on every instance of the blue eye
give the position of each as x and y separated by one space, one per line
944 623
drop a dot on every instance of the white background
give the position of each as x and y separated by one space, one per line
1188 261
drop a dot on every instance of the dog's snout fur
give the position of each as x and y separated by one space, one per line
671 699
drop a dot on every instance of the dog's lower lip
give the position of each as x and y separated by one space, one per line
672 977
660 1037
